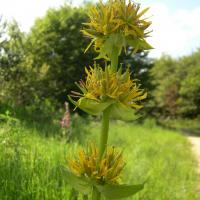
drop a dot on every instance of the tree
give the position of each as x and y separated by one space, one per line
189 93
45 63
177 85
13 70
165 82
2 41
57 50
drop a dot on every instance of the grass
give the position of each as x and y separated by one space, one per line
29 161
187 126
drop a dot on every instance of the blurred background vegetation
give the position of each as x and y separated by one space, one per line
38 69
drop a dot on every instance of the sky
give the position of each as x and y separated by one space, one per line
175 23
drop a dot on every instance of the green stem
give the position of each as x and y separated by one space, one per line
104 132
96 195
114 63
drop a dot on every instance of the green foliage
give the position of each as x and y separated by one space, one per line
27 170
3 25
119 191
80 184
165 81
119 111
45 63
85 187
30 163
187 126
12 68
112 48
57 50
189 93
38 69
91 106
7 118
177 85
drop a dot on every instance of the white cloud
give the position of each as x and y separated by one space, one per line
175 33
25 12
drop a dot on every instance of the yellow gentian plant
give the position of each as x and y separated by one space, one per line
108 91
116 25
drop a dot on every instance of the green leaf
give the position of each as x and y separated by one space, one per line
112 47
119 191
122 112
89 45
144 45
138 44
80 184
91 106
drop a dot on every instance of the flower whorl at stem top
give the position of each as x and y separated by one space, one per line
107 89
105 170
117 24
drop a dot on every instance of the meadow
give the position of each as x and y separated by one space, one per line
31 156
41 67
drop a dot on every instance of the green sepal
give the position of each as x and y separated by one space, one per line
122 112
91 43
90 106
112 47
138 44
119 191
80 184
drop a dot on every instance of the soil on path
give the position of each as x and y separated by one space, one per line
195 141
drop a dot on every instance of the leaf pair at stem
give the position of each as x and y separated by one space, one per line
91 190
115 92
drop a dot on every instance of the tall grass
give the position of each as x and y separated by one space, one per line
29 161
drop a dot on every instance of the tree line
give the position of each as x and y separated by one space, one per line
39 68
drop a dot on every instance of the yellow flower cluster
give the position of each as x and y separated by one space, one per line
116 16
116 85
106 170
110 92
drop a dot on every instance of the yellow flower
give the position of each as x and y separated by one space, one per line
117 86
121 18
104 88
106 170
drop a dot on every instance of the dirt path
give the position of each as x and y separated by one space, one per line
195 141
